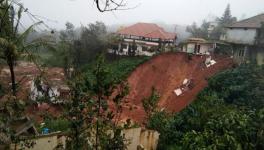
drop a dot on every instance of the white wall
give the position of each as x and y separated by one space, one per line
139 50
241 36
148 139
260 57
204 48
43 142
190 48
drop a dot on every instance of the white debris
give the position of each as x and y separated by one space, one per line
207 53
178 92
210 63
185 81
208 59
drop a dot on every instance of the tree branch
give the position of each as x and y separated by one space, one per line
111 5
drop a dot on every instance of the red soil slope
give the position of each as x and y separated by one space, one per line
165 73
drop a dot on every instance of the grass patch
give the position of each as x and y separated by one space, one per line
118 69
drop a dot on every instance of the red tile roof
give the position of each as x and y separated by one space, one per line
147 30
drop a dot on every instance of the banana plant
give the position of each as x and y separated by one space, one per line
13 45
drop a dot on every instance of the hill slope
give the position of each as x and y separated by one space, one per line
166 72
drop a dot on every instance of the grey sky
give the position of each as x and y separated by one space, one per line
168 11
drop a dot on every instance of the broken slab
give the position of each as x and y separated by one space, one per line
178 92
185 81
210 63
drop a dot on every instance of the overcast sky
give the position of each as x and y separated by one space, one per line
181 12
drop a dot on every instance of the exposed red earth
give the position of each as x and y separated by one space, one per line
166 72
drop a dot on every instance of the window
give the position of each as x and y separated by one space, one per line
197 48
241 53
144 48
123 46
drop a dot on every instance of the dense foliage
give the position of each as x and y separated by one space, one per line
55 125
228 114
77 46
118 69
93 125
13 46
243 86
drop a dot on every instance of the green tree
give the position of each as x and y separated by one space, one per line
63 55
93 41
227 17
13 46
224 21
93 124
199 32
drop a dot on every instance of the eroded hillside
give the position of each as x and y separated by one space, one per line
166 72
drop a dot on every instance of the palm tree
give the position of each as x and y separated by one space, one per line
13 44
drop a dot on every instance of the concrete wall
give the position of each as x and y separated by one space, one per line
260 57
241 36
204 48
240 53
44 142
256 54
189 48
147 139
247 53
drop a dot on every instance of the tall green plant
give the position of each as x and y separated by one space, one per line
93 124
13 44
150 104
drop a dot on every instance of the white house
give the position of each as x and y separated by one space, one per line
197 46
144 39
243 37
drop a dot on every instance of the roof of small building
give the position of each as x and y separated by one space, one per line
253 22
148 30
22 126
197 40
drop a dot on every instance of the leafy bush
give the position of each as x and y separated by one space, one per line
118 69
243 86
57 124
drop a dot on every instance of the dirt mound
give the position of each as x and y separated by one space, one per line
166 73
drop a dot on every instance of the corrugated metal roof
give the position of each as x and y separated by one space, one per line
148 30
253 22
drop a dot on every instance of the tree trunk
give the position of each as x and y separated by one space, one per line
13 79
97 123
